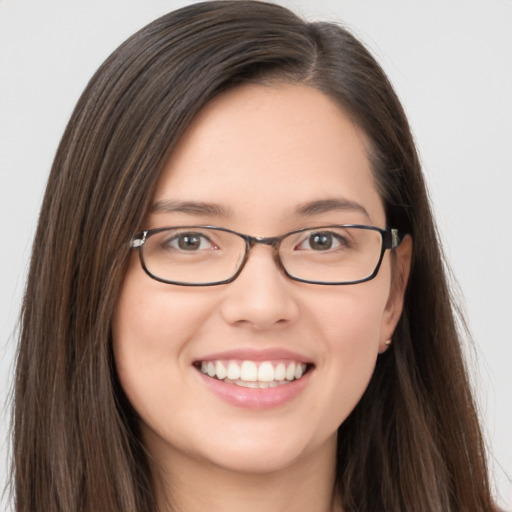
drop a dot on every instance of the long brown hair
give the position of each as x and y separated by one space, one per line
412 443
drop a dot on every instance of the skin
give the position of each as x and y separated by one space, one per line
259 152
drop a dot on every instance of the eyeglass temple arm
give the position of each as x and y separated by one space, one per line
396 238
138 240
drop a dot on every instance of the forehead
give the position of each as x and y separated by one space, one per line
261 152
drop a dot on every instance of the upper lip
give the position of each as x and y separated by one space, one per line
268 354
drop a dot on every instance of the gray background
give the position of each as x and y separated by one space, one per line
451 63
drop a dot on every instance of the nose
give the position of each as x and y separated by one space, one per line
261 297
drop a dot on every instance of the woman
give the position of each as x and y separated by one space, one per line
190 235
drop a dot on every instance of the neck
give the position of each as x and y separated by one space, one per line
190 485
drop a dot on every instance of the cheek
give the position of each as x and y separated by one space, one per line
350 327
152 328
154 319
351 319
353 344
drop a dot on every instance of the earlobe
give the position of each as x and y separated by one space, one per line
384 346
400 276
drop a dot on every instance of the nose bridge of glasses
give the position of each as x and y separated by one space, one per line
264 240
272 241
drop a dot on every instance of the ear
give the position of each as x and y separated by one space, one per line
394 306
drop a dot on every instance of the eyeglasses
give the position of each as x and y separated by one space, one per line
211 255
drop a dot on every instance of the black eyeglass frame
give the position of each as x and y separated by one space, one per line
391 239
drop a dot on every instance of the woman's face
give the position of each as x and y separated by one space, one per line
261 161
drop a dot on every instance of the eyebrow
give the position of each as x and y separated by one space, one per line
305 210
329 205
190 208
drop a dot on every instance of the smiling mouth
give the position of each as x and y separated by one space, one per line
252 374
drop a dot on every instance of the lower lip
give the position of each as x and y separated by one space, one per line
249 398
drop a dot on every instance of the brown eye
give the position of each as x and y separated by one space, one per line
189 242
321 241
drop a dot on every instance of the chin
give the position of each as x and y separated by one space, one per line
257 461
266 452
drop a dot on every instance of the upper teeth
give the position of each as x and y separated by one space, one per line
251 371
